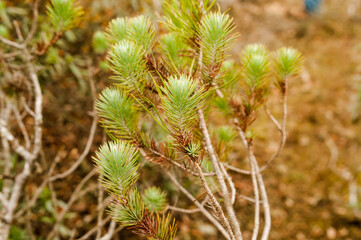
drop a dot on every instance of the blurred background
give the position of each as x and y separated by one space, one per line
314 186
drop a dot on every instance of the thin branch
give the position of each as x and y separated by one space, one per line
18 31
11 43
235 169
99 209
21 126
94 229
34 24
199 205
26 107
17 147
230 183
220 178
273 119
343 173
215 204
179 165
281 128
111 231
262 188
183 210
248 199
256 195
39 190
6 188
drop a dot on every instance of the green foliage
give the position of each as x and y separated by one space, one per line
193 149
182 17
230 72
127 63
138 30
99 42
256 76
154 199
17 233
257 67
4 32
226 133
64 14
118 163
142 32
117 30
180 101
223 106
216 37
119 115
128 212
253 50
166 229
288 63
172 47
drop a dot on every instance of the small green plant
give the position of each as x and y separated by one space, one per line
172 80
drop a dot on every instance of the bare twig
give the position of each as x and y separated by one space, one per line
183 210
18 31
5 115
36 195
214 203
262 188
179 165
21 126
94 229
235 169
34 24
230 183
199 205
248 199
11 43
256 196
110 232
220 178
281 128
99 209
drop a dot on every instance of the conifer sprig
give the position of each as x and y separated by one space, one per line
138 30
256 74
118 162
172 47
183 17
180 101
215 33
119 114
154 199
127 63
64 14
117 30
166 227
141 32
129 211
288 63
